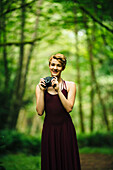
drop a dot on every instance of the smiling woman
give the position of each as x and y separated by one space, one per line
57 64
59 149
61 58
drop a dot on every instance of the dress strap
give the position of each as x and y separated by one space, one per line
64 85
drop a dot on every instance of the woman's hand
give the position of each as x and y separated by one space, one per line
42 85
55 84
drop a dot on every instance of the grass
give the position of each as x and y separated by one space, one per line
96 150
22 161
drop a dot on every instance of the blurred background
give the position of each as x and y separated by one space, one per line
30 32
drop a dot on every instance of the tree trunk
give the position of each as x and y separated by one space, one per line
16 100
22 121
22 71
89 48
78 73
92 106
93 77
3 29
39 3
36 125
4 91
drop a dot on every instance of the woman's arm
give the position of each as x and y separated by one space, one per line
40 97
69 102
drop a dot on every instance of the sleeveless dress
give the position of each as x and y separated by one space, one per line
59 149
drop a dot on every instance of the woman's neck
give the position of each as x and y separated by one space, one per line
59 79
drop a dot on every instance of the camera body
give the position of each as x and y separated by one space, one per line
48 81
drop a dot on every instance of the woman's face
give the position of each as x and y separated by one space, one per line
55 68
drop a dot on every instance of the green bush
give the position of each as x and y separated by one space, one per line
14 141
95 140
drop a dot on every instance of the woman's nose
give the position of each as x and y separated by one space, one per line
55 67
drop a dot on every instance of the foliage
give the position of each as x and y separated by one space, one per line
95 140
97 7
20 161
14 141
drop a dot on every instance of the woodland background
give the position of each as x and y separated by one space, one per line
30 32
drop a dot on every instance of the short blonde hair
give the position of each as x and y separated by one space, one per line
61 58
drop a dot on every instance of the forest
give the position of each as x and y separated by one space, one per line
33 30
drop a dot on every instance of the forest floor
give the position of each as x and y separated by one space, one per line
89 161
96 161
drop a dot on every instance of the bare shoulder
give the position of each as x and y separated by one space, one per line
70 85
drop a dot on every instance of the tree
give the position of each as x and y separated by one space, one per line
22 71
93 79
78 73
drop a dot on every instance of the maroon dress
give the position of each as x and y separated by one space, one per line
59 149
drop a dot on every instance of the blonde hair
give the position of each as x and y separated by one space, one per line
61 58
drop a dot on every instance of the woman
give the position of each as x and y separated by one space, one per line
59 150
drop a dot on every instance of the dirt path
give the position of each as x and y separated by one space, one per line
96 162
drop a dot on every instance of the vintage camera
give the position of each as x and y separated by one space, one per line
48 81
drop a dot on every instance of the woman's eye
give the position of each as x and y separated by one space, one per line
59 65
52 64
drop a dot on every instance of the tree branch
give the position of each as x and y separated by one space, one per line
96 20
10 10
20 43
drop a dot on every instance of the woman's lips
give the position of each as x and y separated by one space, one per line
55 72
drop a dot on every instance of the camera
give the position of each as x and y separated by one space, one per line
48 81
